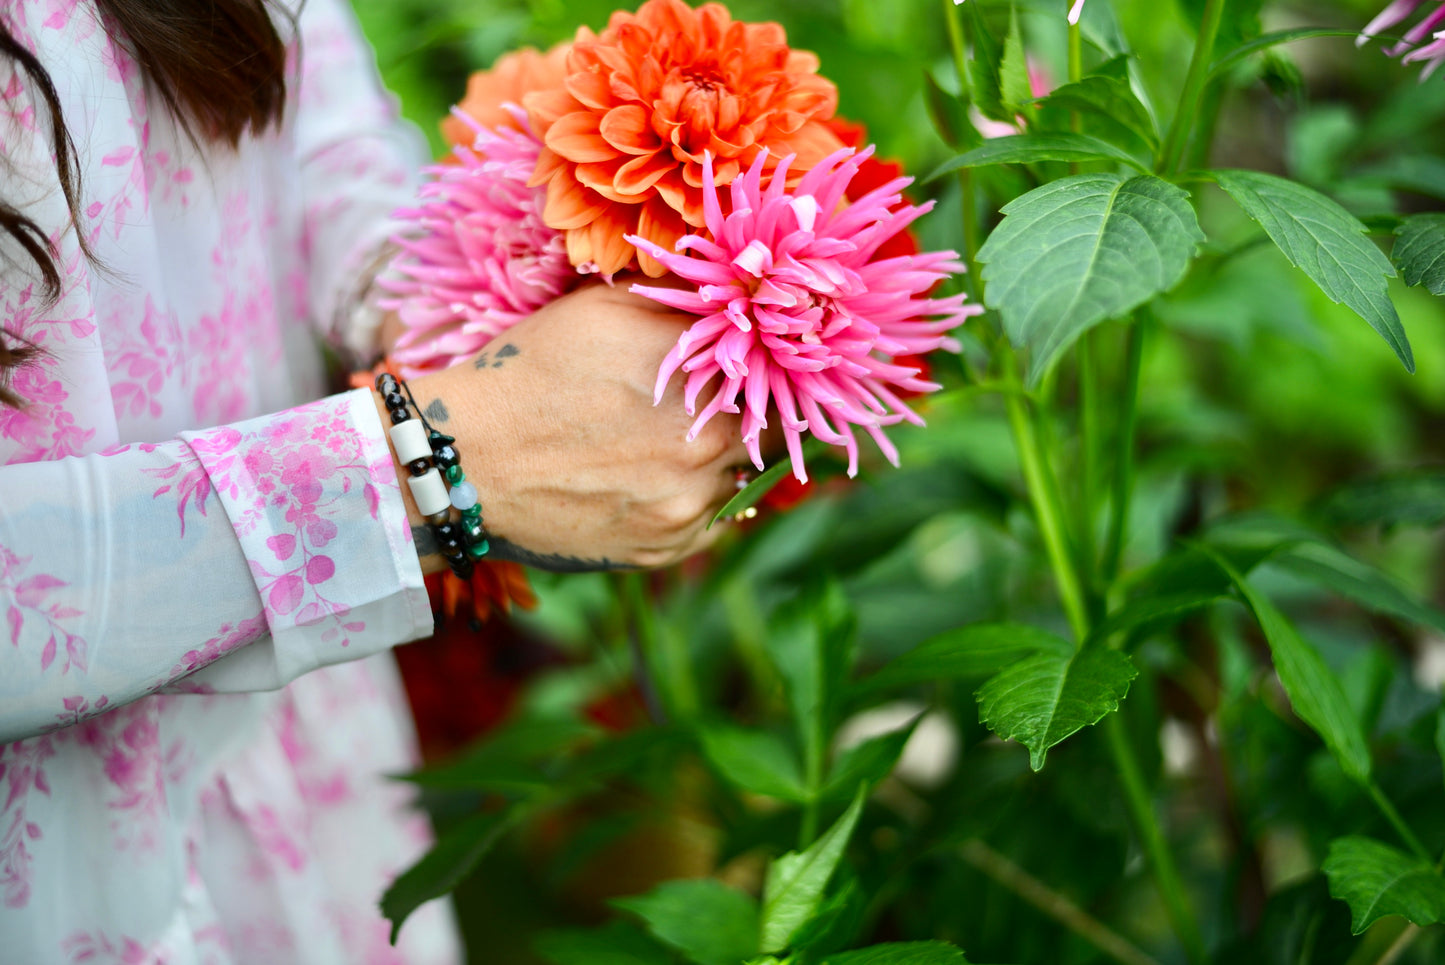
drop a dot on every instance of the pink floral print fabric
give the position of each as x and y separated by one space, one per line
197 706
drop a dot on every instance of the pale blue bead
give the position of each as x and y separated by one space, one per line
464 496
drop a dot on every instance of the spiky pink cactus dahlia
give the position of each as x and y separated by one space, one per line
1399 11
796 310
478 258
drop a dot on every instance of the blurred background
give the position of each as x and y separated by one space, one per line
1260 400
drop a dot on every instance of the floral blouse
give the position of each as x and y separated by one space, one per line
199 579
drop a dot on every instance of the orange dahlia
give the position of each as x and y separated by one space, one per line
510 79
642 102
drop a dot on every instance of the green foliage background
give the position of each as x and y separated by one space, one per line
1274 427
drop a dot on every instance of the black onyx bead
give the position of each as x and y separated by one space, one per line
398 415
451 540
446 456
462 568
395 400
385 382
420 467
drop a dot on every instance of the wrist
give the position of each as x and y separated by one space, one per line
431 560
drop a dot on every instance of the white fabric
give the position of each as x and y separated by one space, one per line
189 584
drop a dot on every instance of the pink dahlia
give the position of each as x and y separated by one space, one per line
797 309
476 257
1399 11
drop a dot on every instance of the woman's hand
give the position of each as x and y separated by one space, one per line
576 468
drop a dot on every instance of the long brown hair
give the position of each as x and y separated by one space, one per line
220 68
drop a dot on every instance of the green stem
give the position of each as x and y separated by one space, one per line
663 651
1194 81
1076 57
1090 439
958 45
1044 494
1156 849
1124 452
1387 808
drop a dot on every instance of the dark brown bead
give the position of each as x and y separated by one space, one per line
394 400
420 467
399 415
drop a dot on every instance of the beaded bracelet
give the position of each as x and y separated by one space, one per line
434 463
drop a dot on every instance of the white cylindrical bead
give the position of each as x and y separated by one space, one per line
429 492
409 440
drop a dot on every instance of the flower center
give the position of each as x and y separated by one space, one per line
703 78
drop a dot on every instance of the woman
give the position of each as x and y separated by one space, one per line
201 575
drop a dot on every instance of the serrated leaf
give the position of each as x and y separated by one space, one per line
1312 688
1376 880
1033 148
975 650
868 762
796 882
1109 99
1045 698
1328 244
755 761
1419 251
1081 250
704 919
617 943
1154 611
901 953
1013 70
1330 568
1407 499
442 868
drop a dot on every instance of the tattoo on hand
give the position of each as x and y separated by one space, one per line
495 360
436 411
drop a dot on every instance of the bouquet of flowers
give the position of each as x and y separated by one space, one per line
681 142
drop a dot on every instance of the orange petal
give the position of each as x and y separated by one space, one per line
590 88
579 245
569 205
575 137
660 224
598 178
546 107
548 166
610 249
625 128
641 173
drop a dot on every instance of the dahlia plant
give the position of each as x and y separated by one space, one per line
1135 656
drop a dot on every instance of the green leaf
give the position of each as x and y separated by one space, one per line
811 646
1269 40
1420 251
1081 250
868 762
1420 173
1440 733
1154 611
616 943
507 761
1013 72
1033 148
1109 100
1328 244
949 113
1376 880
901 953
1313 690
796 882
754 492
442 868
976 650
755 761
983 66
704 919
1406 499
1043 699
1367 586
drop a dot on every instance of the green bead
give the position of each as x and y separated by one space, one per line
474 530
454 474
477 550
472 512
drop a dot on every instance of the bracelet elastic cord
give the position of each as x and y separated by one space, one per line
436 481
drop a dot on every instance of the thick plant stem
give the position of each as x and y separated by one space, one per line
1045 497
1156 849
1183 123
1124 453
1387 808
